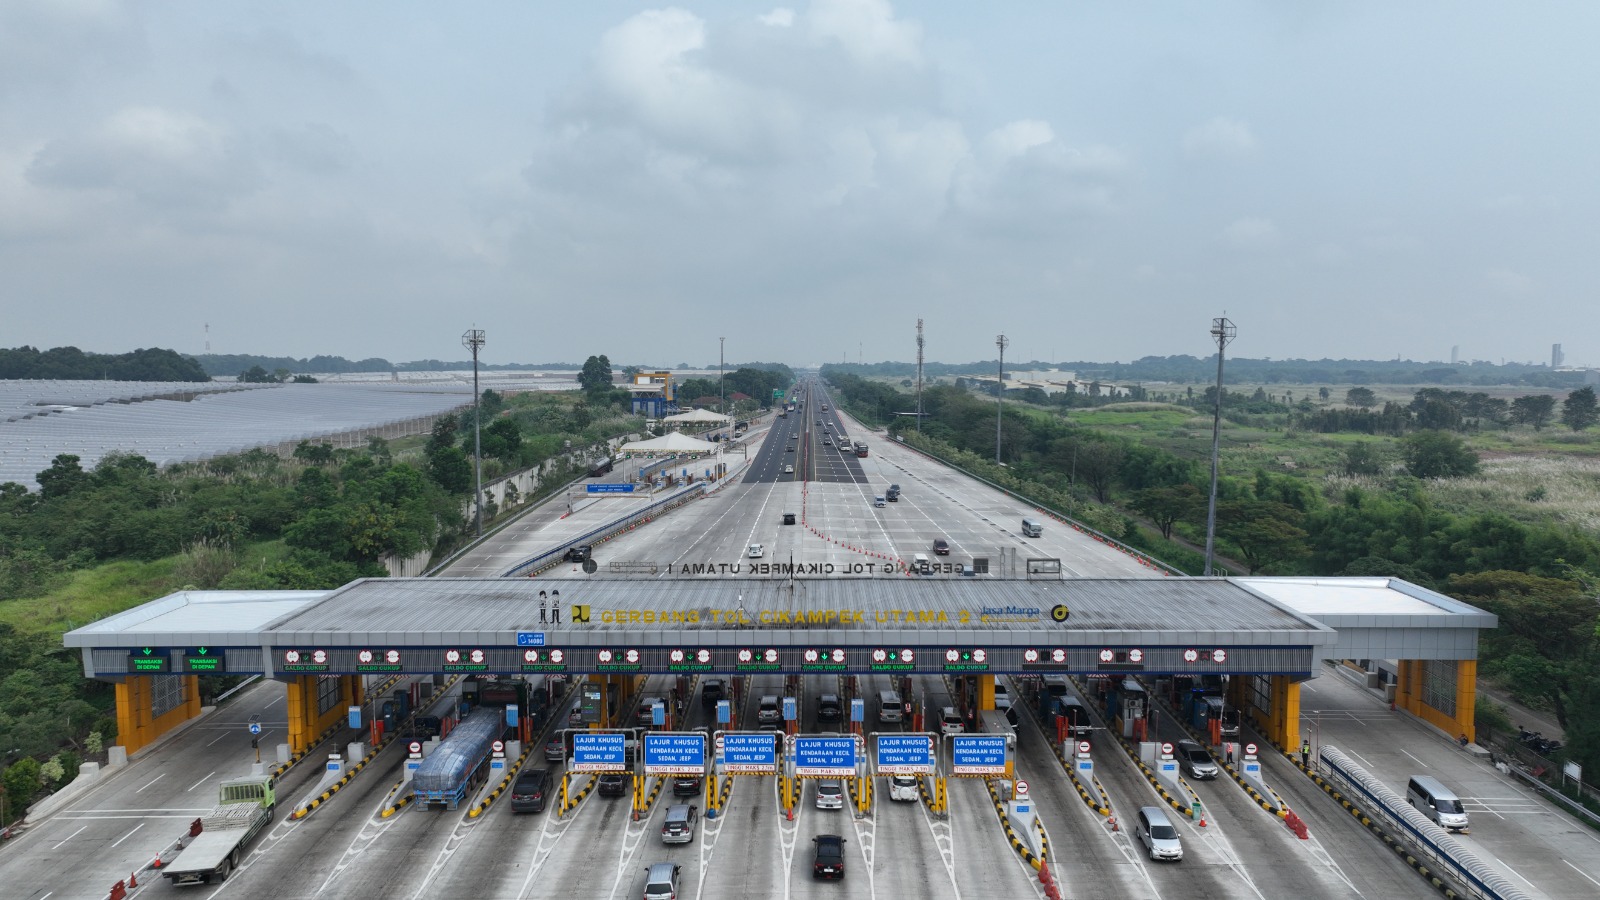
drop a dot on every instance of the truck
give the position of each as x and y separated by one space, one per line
454 767
218 839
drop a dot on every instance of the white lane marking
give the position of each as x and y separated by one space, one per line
944 839
203 780
1360 757
151 781
218 738
128 835
787 835
867 842
1515 872
69 837
549 836
1580 872
1419 762
632 837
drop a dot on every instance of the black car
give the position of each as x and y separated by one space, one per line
829 710
613 785
579 553
829 859
555 749
941 547
712 690
530 791
687 785
788 518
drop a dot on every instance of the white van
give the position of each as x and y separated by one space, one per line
889 708
1437 802
1155 831
921 565
1031 528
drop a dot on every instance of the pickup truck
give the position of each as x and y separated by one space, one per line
218 839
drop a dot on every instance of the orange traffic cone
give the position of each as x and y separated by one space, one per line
157 863
133 880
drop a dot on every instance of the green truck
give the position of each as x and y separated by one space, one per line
217 840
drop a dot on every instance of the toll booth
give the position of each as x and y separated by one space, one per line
1128 707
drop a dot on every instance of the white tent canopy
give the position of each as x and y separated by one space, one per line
669 444
695 416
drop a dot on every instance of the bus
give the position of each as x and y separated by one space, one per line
861 449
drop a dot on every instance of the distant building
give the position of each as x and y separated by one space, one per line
1556 356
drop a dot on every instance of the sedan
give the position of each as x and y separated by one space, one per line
788 470
555 750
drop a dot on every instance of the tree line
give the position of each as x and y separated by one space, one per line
72 364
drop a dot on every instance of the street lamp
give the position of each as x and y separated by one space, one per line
999 394
472 339
722 392
1222 331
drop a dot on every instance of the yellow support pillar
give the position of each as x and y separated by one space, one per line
297 706
1284 725
1408 686
133 713
1467 698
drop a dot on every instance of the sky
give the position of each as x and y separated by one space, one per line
1095 180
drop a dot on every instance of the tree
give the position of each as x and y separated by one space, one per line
21 780
317 454
257 375
1435 454
1265 531
502 439
1167 505
1361 398
1546 634
64 477
1363 458
1533 409
1580 411
596 374
1098 464
451 470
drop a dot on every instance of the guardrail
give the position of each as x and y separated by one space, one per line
609 530
1475 875
1143 557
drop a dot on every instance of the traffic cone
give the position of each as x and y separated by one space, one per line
157 863
1202 820
133 880
1113 821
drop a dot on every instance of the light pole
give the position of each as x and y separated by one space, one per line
722 392
1222 331
472 339
999 394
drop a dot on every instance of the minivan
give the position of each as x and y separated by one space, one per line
1437 802
678 827
1031 528
889 709
661 881
1157 834
950 721
921 565
1195 761
531 791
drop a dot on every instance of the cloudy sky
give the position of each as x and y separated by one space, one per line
1097 180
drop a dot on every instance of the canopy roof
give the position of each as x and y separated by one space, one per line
672 442
698 415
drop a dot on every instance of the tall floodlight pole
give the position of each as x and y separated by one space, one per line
999 394
919 376
722 392
472 339
1222 331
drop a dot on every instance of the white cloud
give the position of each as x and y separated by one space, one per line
1251 233
1220 138
868 31
1510 282
782 17
157 154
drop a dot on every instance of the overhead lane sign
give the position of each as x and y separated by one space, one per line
749 753
904 754
825 756
667 753
978 754
599 751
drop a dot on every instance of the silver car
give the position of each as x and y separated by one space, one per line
679 826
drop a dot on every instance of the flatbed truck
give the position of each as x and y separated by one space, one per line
219 838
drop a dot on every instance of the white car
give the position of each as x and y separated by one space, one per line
904 787
830 794
788 470
756 551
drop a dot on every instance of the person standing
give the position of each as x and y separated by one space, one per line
1305 754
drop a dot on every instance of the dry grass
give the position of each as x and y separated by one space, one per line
1563 489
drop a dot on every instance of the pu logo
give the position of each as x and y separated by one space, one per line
580 613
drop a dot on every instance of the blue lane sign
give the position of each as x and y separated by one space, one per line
255 727
610 488
674 754
978 754
750 753
858 709
599 751
791 709
905 754
825 756
530 639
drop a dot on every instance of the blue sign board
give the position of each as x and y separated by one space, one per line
791 710
724 712
599 751
658 714
753 754
905 754
858 709
609 488
978 754
675 754
818 755
530 639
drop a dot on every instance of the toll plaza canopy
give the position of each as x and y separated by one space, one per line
759 624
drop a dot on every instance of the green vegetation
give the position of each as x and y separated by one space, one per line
71 363
1467 493
93 542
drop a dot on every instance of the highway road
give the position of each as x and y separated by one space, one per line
900 850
